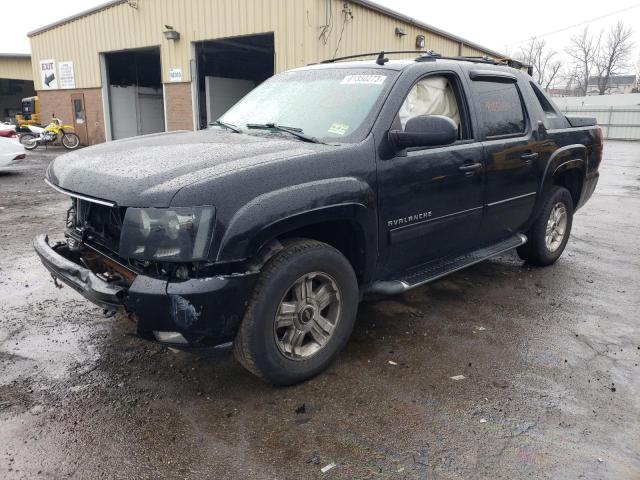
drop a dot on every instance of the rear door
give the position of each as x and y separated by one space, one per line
511 153
431 199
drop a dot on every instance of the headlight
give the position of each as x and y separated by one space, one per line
167 234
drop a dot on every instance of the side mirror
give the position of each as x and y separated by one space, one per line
425 131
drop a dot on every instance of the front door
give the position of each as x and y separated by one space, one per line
431 199
79 117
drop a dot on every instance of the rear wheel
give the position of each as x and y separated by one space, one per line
550 232
301 313
29 141
70 141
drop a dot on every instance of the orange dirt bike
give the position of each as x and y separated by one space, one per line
52 133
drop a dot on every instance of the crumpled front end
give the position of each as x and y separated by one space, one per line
192 312
65 265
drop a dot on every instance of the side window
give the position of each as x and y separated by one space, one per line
499 107
433 95
545 103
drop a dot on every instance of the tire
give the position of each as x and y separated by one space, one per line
264 342
28 141
70 141
542 250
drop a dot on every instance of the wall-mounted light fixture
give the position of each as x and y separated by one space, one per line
400 32
170 33
420 41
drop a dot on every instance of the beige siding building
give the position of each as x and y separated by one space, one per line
131 67
16 83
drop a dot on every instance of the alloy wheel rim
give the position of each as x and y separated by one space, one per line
307 316
556 227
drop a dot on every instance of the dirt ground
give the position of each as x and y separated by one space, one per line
550 359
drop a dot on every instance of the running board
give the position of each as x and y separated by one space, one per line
434 270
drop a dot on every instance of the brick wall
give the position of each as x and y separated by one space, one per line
177 100
179 109
59 102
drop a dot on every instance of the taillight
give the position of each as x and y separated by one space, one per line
22 156
599 147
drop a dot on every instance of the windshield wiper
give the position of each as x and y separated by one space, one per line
297 132
226 125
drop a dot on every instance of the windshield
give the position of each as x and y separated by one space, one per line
332 105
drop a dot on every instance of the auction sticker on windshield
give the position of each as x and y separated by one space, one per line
363 80
339 128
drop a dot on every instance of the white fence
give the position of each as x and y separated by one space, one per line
627 100
618 123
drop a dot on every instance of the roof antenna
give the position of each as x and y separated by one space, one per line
381 59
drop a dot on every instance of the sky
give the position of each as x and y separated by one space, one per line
502 27
496 24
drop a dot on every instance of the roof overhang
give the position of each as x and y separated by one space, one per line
84 13
15 55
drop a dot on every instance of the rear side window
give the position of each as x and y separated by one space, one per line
500 108
545 104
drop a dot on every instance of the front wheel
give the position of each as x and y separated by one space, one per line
70 141
301 314
29 141
550 232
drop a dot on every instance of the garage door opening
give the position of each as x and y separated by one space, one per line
11 94
228 69
136 101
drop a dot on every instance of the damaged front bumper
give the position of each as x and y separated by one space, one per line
104 294
205 311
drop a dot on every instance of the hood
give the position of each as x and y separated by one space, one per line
148 171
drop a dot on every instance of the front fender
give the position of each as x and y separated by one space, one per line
287 209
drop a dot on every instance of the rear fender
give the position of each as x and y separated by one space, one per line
564 158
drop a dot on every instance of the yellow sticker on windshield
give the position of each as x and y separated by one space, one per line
338 128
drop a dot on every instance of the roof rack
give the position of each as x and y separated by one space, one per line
429 56
380 55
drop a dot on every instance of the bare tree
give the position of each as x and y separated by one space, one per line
583 49
552 75
572 78
613 55
566 80
539 55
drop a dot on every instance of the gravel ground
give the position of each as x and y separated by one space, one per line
550 359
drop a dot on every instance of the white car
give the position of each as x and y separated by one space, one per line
11 152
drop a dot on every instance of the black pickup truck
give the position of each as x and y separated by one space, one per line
323 185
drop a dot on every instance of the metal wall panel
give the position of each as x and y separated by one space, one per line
296 24
15 68
617 123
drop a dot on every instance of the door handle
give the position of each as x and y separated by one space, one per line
529 157
470 167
